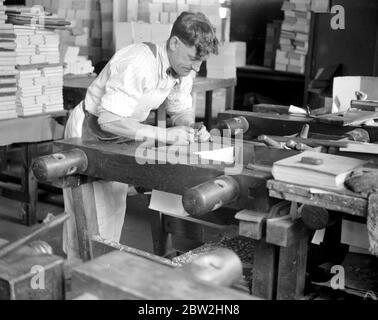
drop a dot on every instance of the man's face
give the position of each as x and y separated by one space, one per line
183 59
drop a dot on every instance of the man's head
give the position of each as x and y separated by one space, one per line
191 42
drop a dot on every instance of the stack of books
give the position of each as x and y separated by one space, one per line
39 77
85 21
8 80
27 42
21 15
294 37
29 93
75 64
49 48
52 89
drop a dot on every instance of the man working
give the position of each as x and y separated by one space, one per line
138 79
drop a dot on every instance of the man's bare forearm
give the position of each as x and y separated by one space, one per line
132 129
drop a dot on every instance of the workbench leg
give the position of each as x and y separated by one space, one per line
292 270
84 207
230 96
208 109
3 159
162 243
29 184
265 262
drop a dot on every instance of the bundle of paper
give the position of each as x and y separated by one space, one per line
7 106
28 89
21 15
318 170
8 80
53 89
49 46
75 64
294 39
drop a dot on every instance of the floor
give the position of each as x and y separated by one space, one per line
136 230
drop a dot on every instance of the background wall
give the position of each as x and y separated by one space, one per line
248 23
355 47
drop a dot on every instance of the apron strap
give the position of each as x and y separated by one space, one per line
91 121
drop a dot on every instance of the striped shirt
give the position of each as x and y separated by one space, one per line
134 82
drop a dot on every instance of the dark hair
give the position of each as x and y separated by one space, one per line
195 29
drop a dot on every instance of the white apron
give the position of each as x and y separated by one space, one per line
110 196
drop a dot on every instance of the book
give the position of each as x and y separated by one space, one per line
329 173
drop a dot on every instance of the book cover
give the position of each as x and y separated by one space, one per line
329 173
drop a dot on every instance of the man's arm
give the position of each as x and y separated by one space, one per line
179 103
132 129
180 108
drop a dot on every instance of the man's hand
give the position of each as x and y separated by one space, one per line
180 135
201 133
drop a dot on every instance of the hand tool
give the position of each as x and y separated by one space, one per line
270 142
236 125
312 161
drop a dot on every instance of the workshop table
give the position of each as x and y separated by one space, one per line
288 124
75 87
340 202
90 160
32 136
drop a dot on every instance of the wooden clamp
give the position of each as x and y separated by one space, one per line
210 195
251 224
59 165
284 232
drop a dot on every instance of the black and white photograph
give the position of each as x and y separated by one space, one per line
194 156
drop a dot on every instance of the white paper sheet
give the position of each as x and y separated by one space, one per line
167 203
222 155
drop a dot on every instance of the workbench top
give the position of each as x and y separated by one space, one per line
343 201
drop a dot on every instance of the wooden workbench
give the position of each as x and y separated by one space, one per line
75 89
283 258
342 201
30 137
288 124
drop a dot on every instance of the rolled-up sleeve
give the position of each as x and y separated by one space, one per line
179 103
125 85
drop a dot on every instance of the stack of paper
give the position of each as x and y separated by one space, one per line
91 24
75 64
8 86
294 38
49 48
29 92
26 50
53 88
